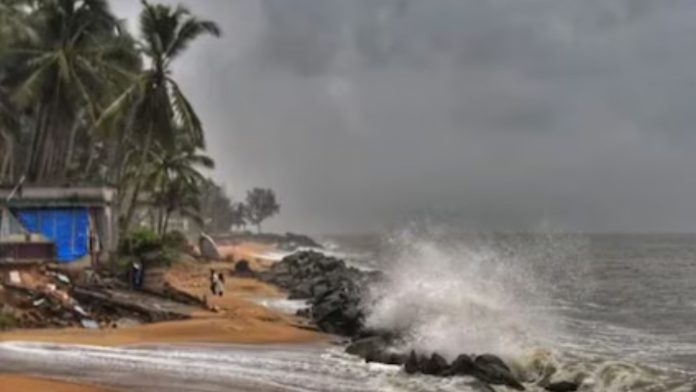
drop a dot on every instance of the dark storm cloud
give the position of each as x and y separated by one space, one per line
497 114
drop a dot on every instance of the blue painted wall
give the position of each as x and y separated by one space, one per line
68 228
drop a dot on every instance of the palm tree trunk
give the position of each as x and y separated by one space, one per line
116 157
70 150
7 156
165 226
90 159
160 221
131 207
32 148
49 122
4 170
46 157
138 181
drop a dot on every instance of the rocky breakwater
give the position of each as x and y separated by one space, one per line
335 296
332 289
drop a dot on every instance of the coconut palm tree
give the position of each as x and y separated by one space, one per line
9 134
60 75
158 111
176 182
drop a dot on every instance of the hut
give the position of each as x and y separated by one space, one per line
61 224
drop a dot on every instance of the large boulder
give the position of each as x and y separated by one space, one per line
563 386
462 366
208 247
435 365
332 287
301 291
366 346
493 370
412 364
242 268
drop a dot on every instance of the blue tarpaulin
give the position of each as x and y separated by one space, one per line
68 228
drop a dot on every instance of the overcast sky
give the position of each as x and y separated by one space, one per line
493 114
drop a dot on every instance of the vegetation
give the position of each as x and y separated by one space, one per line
7 321
238 217
260 205
217 211
83 101
150 249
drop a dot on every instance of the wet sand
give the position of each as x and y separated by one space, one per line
233 318
13 383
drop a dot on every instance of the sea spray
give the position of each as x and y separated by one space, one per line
471 295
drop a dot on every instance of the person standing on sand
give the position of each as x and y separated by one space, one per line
216 281
221 284
212 280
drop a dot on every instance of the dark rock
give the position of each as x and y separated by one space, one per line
329 264
241 268
435 365
376 348
280 268
493 370
319 287
379 357
364 347
397 359
332 287
301 291
492 360
563 386
462 366
412 366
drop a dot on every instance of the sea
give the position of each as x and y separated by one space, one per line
616 312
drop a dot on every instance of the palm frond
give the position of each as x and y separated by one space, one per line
32 86
191 29
186 116
122 103
149 29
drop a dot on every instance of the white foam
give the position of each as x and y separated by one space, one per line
459 298
283 305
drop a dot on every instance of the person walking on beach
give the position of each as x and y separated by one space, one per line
216 283
212 280
221 284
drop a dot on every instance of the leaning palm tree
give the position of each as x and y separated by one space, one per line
9 134
59 74
158 111
175 181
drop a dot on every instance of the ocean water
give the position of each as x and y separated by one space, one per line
616 311
618 307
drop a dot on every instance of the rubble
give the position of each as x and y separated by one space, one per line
42 296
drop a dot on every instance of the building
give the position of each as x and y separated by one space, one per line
61 224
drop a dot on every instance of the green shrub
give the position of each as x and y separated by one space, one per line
175 240
150 249
7 321
139 241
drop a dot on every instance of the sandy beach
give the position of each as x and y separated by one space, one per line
233 318
13 383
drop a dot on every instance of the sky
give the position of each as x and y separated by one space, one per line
365 115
